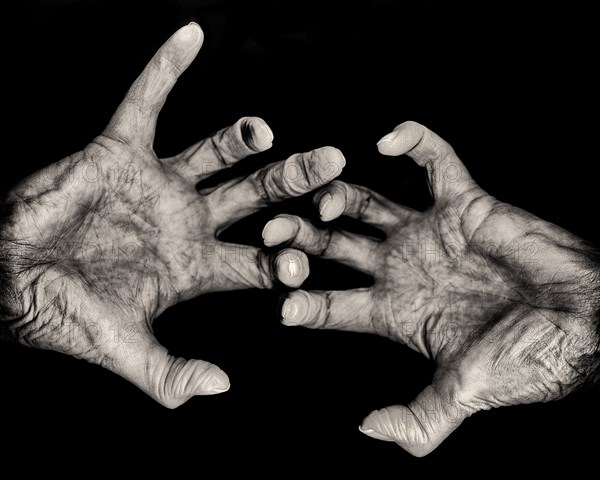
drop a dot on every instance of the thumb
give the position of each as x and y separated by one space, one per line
419 427
169 380
135 119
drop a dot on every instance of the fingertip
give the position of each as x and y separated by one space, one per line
389 144
336 156
191 34
368 423
369 432
403 139
331 163
292 267
324 202
262 135
294 308
216 382
181 49
385 146
277 231
372 427
331 206
289 312
389 138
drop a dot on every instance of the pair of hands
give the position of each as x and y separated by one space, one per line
455 282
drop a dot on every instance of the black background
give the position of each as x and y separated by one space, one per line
508 87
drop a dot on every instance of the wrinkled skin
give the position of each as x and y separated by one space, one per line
96 246
506 304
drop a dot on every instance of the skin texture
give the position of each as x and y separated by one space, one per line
96 246
505 303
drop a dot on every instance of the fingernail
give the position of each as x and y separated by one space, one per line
268 226
220 389
369 432
289 310
195 33
265 132
277 231
262 136
293 266
325 200
218 384
389 138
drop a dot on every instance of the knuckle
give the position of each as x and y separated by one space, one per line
165 65
266 269
361 200
326 247
322 318
170 382
265 185
312 170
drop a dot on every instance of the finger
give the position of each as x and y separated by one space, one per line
447 175
243 267
135 119
349 310
339 198
419 427
247 136
169 380
299 174
356 251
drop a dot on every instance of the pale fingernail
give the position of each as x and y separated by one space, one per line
389 138
263 135
325 200
266 131
293 266
277 231
219 387
217 383
369 432
289 310
268 226
192 31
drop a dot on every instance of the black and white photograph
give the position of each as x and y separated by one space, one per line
299 238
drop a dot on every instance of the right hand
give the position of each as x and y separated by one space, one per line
506 304
96 246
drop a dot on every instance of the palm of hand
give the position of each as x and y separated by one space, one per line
102 242
501 300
